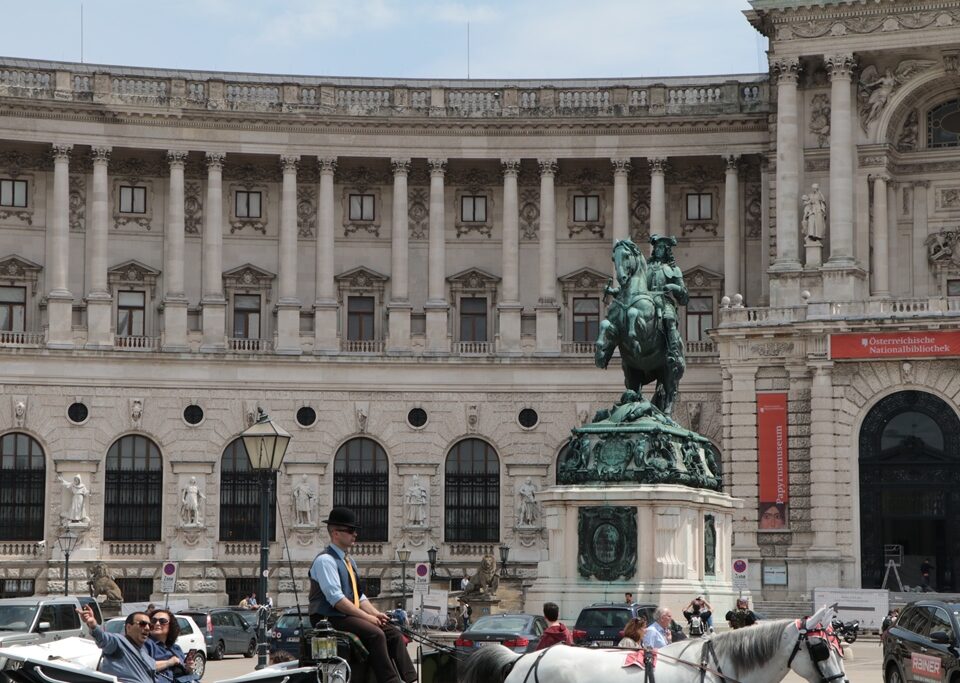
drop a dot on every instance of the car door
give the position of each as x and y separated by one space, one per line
241 635
911 636
47 617
933 658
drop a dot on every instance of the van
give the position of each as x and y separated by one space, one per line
40 619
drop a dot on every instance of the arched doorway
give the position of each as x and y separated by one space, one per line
910 488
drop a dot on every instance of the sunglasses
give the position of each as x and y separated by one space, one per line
160 621
352 532
142 624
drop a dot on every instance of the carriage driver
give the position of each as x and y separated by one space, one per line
334 595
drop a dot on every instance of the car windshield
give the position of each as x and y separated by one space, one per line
603 618
499 625
17 617
290 621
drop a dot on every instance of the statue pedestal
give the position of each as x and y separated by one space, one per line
814 253
481 606
110 609
648 539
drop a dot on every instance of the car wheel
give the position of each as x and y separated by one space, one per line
199 664
892 675
218 651
251 649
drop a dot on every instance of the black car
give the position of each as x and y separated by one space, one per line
519 632
285 635
225 632
602 623
923 644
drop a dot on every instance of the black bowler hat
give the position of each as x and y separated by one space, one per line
342 517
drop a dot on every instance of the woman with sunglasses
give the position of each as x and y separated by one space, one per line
172 664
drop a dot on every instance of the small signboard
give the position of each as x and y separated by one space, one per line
774 574
904 344
869 606
740 568
168 577
422 573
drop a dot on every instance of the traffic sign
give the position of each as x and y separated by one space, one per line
421 571
168 577
740 568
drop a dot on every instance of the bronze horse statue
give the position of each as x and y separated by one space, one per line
641 321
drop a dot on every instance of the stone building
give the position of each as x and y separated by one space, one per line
407 275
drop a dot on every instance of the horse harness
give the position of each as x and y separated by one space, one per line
819 642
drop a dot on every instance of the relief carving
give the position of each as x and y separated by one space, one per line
874 89
820 118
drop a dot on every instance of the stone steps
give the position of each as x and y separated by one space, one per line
783 609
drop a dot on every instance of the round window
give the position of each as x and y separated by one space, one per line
417 418
78 413
306 416
528 418
193 414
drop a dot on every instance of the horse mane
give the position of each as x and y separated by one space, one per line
752 646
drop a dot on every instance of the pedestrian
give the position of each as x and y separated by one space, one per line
466 611
252 601
889 620
245 602
659 634
124 656
465 581
701 608
334 596
742 615
633 633
556 631
628 597
400 614
925 569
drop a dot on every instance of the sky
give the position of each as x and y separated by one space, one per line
395 38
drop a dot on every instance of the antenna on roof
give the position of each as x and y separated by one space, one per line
468 50
81 33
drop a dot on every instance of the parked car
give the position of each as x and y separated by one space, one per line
923 644
191 638
519 632
40 619
602 623
225 632
285 635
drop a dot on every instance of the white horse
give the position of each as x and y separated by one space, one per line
758 654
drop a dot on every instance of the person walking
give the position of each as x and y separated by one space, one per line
124 656
334 595
556 631
925 569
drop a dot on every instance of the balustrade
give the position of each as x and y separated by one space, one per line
578 348
131 549
583 99
26 80
238 93
362 99
473 348
361 346
246 345
138 89
241 548
474 101
21 549
21 339
470 549
137 343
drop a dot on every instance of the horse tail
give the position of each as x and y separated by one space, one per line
490 665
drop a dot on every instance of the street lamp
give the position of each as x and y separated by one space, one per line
403 554
432 559
266 444
67 542
504 554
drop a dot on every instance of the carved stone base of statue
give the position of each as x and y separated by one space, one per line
814 253
482 606
110 608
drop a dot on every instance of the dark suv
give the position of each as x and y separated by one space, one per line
923 644
225 632
602 623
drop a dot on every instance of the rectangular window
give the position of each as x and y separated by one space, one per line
953 287
13 309
699 206
361 207
473 319
473 209
135 589
16 588
699 318
360 318
247 204
246 316
133 199
13 193
586 319
240 588
131 307
586 208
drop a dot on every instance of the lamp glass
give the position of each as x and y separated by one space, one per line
403 554
266 444
504 553
432 556
68 541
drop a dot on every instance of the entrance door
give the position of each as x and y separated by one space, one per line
910 489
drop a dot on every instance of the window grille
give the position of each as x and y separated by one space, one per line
240 491
22 488
133 491
472 493
135 589
360 482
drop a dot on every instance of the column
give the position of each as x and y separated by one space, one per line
732 234
841 160
621 199
99 299
825 485
325 303
399 307
174 297
509 309
548 327
436 307
895 279
288 304
924 282
658 196
880 263
214 306
764 229
59 297
785 271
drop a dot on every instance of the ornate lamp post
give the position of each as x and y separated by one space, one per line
266 444
67 542
403 554
432 559
504 554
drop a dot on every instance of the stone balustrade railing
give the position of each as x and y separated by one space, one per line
162 88
137 343
470 549
131 549
21 549
473 348
925 307
21 338
361 346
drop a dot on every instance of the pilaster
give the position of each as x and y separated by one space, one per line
59 297
214 306
621 198
658 196
509 309
288 305
399 308
732 234
99 299
174 300
548 325
436 308
325 303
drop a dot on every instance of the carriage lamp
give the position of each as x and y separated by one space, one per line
504 555
266 444
67 542
403 554
432 559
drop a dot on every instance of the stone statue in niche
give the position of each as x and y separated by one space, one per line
362 417
20 413
190 499
528 509
136 412
303 502
709 545
416 496
814 214
77 512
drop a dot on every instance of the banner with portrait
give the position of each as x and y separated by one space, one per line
773 461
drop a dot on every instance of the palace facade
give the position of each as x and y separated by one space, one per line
407 275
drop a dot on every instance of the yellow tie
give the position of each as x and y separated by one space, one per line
353 581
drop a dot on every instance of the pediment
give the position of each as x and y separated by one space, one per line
132 271
361 277
473 278
584 278
699 277
249 276
18 268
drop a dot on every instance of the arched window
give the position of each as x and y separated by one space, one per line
472 493
943 125
133 491
240 491
22 480
360 482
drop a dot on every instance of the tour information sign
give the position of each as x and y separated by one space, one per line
924 344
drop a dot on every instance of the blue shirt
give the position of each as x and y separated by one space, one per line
325 572
159 651
655 637
123 659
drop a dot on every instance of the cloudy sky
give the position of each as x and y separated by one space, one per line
395 38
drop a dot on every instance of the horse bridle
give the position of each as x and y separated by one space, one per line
818 642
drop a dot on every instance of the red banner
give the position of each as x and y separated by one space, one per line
772 460
895 344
